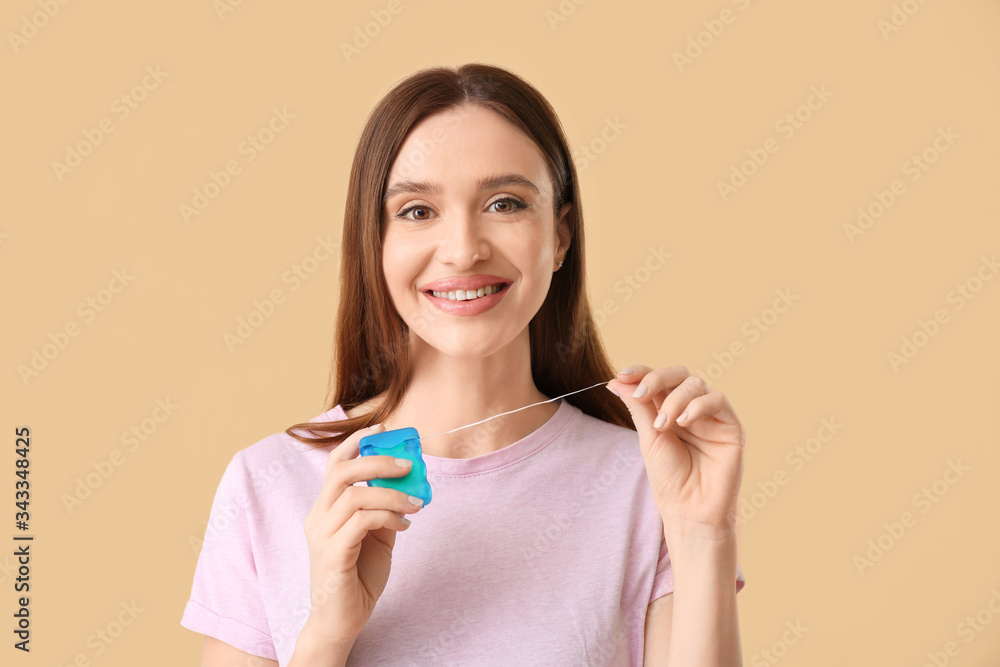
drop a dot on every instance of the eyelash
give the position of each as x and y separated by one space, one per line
518 205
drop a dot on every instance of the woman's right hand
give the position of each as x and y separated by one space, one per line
351 531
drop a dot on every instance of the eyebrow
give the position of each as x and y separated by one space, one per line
485 183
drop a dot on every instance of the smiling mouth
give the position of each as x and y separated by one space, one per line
469 295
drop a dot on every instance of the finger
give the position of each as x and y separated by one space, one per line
633 374
364 498
344 467
351 446
713 404
358 526
679 399
653 384
643 413
700 407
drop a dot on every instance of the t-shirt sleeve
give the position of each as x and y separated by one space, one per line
663 581
225 600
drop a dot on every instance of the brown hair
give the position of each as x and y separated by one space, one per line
371 343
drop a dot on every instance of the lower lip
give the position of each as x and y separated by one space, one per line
474 307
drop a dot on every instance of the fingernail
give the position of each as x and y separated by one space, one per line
416 502
612 390
683 417
404 463
374 426
661 419
406 522
639 391
626 371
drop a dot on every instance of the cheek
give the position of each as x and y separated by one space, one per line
399 266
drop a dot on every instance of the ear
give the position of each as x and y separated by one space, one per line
563 232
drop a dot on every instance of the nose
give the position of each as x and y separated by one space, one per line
463 243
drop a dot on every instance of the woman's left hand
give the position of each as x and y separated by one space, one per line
693 455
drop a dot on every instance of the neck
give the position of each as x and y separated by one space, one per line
446 392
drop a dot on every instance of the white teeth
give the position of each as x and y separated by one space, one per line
468 295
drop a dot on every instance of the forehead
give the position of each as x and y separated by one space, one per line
457 146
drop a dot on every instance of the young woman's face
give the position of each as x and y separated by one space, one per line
469 210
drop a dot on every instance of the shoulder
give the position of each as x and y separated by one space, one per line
276 459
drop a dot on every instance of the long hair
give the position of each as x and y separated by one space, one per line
371 352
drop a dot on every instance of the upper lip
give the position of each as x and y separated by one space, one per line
463 282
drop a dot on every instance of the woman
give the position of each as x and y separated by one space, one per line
463 296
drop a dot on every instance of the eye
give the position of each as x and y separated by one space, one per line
512 204
424 210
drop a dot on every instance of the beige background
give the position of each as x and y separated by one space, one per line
652 182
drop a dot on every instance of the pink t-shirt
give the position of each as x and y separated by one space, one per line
546 552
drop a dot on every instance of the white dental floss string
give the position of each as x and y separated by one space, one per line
422 438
